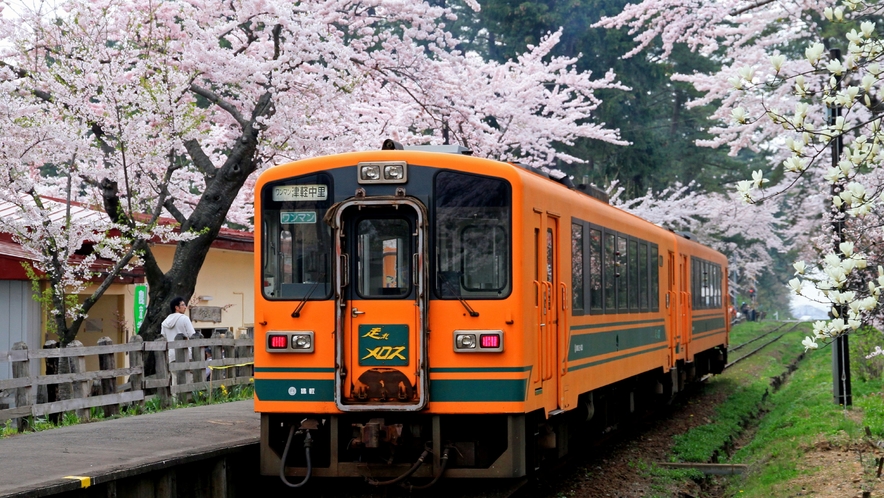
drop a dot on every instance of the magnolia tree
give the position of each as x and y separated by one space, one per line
169 109
817 115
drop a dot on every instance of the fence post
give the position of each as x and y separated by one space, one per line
180 376
20 370
217 354
136 359
243 352
229 352
106 361
199 356
49 392
162 365
80 388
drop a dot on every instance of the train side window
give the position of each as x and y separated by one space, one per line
623 277
577 268
655 278
610 273
643 276
596 297
633 275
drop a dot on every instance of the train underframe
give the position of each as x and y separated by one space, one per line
384 446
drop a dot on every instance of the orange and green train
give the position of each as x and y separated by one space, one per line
426 302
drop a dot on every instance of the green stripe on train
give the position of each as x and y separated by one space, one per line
708 324
440 390
584 346
293 370
615 358
295 390
478 390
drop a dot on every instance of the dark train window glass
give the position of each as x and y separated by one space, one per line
295 242
596 301
473 237
610 273
633 275
707 285
643 276
623 277
655 278
695 284
577 266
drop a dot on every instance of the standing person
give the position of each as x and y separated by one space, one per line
177 323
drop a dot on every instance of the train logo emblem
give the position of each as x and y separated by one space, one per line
385 345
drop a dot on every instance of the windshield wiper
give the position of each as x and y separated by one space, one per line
456 293
297 312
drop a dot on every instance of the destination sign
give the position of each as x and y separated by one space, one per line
300 193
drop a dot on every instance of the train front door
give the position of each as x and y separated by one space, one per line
381 332
548 311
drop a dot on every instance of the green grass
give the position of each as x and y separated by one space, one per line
802 411
747 386
785 423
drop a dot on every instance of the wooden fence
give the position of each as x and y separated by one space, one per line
53 380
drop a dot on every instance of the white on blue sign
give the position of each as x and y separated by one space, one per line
297 217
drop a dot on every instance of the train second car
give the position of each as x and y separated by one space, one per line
426 312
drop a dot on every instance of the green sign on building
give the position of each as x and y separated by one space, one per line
140 306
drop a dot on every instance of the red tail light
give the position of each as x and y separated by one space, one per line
278 341
489 341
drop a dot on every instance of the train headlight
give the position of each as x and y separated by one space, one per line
478 341
383 172
370 172
465 341
302 342
290 342
394 172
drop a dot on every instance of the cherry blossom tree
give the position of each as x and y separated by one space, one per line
719 220
170 109
816 112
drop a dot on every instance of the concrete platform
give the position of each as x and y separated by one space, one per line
75 457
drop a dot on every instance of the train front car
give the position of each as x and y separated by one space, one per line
387 341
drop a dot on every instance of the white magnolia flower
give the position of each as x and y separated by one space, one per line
814 52
800 267
758 178
739 115
808 343
795 164
795 284
846 248
777 61
835 67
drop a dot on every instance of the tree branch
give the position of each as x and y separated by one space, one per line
199 157
217 100
759 3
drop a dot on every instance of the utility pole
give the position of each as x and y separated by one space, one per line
840 349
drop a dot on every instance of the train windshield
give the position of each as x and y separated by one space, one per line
296 243
472 236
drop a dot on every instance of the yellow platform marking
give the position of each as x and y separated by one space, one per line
85 481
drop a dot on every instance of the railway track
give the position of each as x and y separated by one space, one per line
762 346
